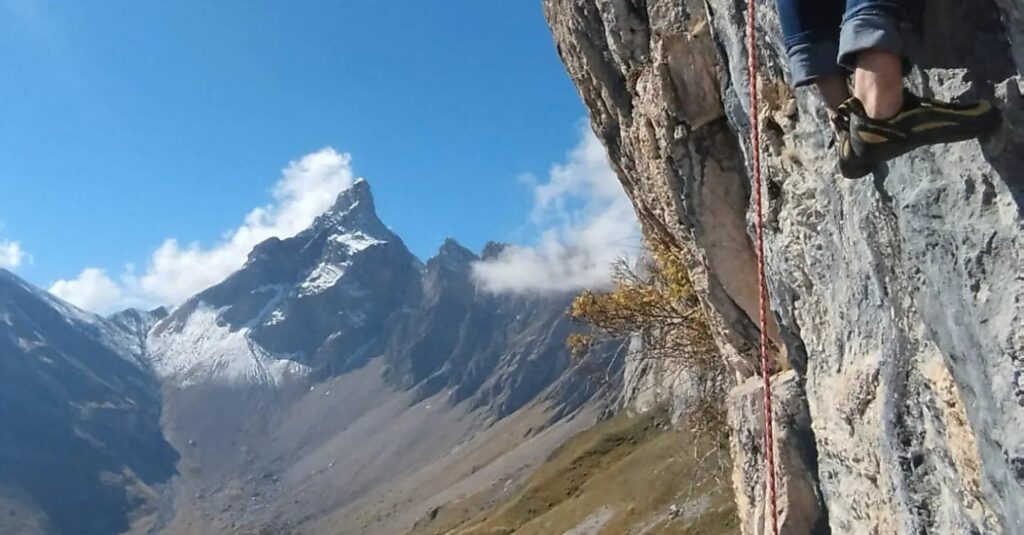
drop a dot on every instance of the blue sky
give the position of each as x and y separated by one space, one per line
123 124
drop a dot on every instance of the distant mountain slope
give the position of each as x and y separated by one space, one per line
334 383
497 351
635 475
80 441
334 365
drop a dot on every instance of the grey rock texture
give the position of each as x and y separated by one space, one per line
796 463
899 298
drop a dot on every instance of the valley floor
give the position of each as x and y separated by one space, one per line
628 475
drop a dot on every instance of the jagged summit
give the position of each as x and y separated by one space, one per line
452 246
492 250
135 314
354 209
452 254
136 324
358 191
295 300
351 225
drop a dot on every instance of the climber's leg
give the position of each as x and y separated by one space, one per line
834 89
871 45
878 82
811 32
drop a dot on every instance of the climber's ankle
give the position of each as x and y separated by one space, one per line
834 90
878 83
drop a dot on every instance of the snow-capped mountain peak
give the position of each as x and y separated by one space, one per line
331 283
353 210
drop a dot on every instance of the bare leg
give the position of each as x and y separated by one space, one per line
878 83
834 90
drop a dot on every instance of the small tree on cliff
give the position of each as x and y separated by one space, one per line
659 305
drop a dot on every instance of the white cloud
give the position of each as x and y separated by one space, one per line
175 272
307 188
11 254
92 290
584 223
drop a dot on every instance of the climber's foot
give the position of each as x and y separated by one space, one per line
921 121
851 165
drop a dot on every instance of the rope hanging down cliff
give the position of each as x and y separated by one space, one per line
755 149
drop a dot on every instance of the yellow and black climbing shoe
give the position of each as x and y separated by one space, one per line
921 121
851 164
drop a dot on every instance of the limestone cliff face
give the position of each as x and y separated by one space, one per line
898 299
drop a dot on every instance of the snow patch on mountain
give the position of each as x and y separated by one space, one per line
276 317
327 274
356 241
323 277
204 350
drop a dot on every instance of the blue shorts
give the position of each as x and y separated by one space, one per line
823 37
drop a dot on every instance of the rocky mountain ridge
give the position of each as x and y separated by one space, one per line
80 411
334 382
365 366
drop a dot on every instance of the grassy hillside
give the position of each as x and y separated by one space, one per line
628 475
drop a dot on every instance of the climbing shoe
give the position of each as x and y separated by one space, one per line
921 121
851 165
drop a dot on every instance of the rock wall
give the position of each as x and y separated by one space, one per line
899 298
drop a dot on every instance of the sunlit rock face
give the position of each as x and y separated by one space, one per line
898 299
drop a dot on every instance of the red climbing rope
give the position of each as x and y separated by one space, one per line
755 149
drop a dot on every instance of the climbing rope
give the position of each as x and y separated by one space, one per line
755 149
